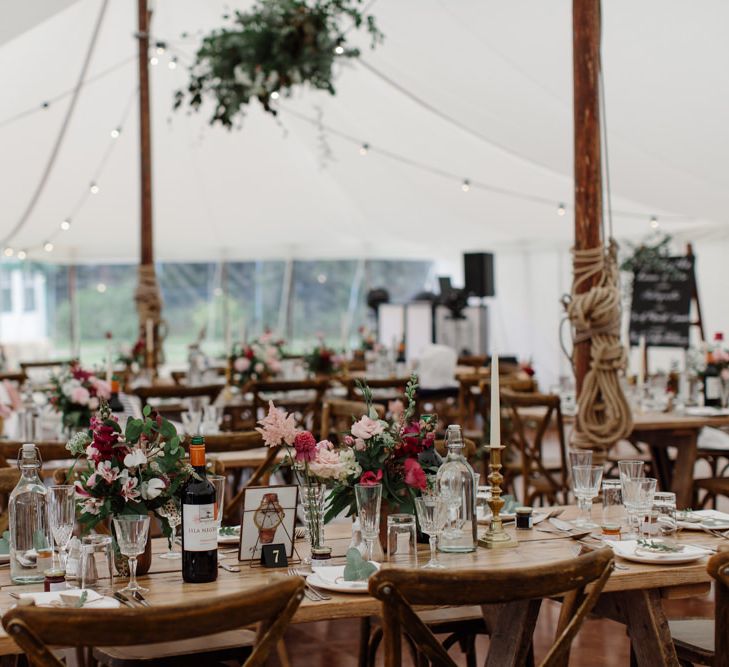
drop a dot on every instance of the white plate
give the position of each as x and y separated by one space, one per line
720 520
332 579
706 412
230 539
627 549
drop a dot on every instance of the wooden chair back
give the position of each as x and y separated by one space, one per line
35 629
469 448
20 377
337 416
474 361
50 450
8 479
553 484
301 398
49 364
378 385
399 590
718 568
180 377
176 391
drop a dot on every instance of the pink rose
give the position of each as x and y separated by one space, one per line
80 395
305 446
360 445
370 479
103 388
349 441
93 403
414 474
242 364
366 428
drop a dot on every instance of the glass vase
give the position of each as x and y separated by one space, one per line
312 501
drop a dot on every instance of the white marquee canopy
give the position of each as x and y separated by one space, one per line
474 89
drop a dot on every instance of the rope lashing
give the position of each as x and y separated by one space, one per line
603 413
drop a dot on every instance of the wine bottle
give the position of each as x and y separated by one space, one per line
712 378
199 525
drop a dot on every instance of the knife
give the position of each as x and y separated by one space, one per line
124 600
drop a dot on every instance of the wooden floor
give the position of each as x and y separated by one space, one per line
599 643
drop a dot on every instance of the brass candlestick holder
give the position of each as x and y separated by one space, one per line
496 537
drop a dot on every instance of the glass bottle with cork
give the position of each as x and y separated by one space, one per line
199 524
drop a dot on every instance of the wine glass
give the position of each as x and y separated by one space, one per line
586 485
630 469
218 482
369 500
131 536
171 511
61 501
191 422
638 494
432 514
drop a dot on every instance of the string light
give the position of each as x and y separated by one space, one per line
654 222
321 278
21 255
65 225
8 252
160 48
115 133
153 60
466 185
339 50
94 189
48 246
173 62
364 148
101 288
218 291
274 95
561 210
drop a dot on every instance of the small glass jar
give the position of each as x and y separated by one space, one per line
321 556
523 518
55 580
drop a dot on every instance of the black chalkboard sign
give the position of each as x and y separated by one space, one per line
661 305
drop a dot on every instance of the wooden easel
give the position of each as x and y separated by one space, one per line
698 322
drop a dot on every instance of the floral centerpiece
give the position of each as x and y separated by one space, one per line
77 394
134 472
322 360
259 359
133 356
367 339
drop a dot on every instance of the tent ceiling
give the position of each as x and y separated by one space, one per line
500 70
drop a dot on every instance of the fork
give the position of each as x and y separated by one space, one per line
724 535
314 594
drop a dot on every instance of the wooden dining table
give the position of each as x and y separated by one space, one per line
633 594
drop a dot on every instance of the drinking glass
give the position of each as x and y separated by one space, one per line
432 514
401 539
638 499
579 457
131 536
212 416
218 482
171 511
664 511
586 485
630 469
97 564
191 422
369 500
613 511
61 501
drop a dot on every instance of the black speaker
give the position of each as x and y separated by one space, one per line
479 270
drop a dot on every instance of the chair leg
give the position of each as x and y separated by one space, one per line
375 641
365 627
283 654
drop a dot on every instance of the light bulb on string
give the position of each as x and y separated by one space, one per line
173 62
22 255
274 95
160 48
654 222
8 252
65 224
94 189
466 185
364 148
48 246
153 60
339 50
101 288
115 133
561 210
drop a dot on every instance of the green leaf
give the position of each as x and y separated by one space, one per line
82 599
133 430
357 568
147 410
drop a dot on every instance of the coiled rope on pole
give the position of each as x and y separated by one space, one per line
603 413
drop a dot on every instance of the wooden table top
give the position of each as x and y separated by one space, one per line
535 547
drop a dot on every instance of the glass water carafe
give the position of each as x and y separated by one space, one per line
456 486
30 544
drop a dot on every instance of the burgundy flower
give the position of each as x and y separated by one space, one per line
105 440
370 479
414 474
411 443
305 446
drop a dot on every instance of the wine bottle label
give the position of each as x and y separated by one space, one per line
199 527
712 387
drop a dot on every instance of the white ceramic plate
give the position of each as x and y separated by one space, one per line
332 579
709 519
230 539
629 550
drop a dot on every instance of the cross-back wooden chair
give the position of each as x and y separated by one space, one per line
705 641
47 364
382 388
541 480
241 442
337 416
301 398
18 377
50 450
8 479
220 622
401 590
175 395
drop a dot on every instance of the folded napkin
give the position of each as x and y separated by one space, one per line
93 599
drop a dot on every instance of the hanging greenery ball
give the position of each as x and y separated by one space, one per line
268 51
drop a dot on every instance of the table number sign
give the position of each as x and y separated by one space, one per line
274 555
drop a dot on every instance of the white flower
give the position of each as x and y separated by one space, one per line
152 488
91 506
78 443
259 367
135 458
93 403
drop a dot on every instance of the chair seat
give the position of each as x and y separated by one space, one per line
694 639
203 650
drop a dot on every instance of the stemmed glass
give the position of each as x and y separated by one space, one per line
638 496
432 514
630 469
586 485
369 500
131 536
171 511
191 422
61 501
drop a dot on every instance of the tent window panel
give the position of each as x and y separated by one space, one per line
29 304
6 292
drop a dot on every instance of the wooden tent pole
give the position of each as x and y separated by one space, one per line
588 175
